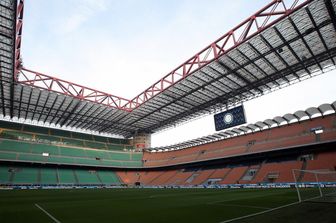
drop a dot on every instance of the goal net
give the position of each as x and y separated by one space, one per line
315 185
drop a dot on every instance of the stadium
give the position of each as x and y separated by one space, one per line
72 153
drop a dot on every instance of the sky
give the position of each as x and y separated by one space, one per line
122 47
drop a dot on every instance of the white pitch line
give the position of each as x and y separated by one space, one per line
47 213
259 213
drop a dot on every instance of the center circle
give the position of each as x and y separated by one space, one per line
228 118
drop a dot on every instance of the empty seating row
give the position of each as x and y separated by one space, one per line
54 140
18 131
29 129
35 152
296 134
265 172
53 176
36 158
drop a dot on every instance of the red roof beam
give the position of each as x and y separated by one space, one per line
46 82
269 15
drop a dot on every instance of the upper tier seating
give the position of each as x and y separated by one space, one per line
14 150
21 142
295 134
11 130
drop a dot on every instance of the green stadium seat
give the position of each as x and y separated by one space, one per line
108 177
61 159
32 157
4 175
15 146
66 176
53 176
115 147
136 156
94 145
120 156
87 177
25 175
74 142
87 161
41 148
48 176
100 139
111 163
95 153
63 149
132 164
7 156
66 151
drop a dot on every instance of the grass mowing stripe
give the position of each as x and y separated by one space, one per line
135 205
47 213
242 206
259 213
246 197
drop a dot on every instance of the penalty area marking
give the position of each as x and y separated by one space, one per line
259 213
47 213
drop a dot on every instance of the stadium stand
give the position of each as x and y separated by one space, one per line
31 155
30 175
44 135
256 153
18 145
274 171
48 176
234 175
280 137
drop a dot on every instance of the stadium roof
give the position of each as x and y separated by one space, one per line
312 112
8 32
285 42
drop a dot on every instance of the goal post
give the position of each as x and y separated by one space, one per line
315 185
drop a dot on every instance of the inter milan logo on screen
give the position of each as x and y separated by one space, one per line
230 118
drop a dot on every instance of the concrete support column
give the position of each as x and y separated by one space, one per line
141 141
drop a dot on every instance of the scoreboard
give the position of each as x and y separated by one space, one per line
230 118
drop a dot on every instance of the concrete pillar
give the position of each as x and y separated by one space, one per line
141 141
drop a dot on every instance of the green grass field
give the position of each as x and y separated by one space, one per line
159 205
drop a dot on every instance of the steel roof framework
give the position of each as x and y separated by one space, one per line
7 54
283 43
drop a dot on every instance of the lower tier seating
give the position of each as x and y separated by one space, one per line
276 171
23 175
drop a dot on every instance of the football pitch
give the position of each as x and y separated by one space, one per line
159 205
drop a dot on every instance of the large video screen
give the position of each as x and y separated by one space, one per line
230 118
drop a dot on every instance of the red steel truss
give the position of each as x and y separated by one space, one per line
19 20
43 81
261 20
